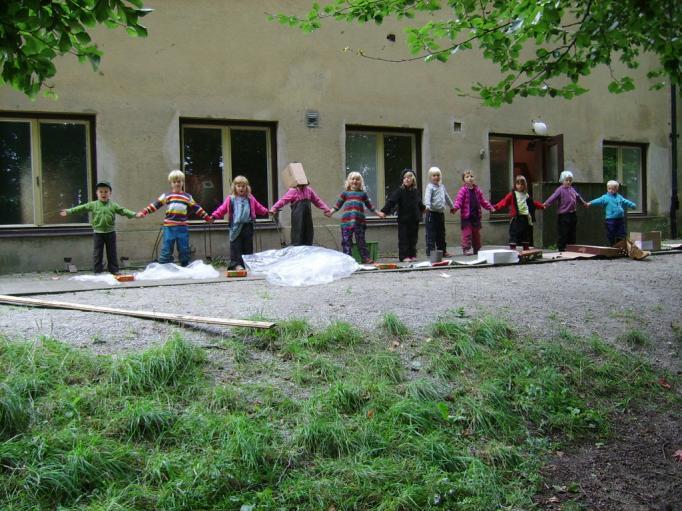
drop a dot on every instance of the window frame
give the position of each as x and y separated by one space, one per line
643 148
416 135
225 125
35 119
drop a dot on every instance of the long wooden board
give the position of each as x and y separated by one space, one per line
34 302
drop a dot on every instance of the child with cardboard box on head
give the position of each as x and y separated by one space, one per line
103 222
614 209
178 204
300 195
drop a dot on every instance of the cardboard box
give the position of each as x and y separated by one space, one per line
294 175
650 240
499 256
596 250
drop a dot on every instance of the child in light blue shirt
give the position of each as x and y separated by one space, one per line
615 205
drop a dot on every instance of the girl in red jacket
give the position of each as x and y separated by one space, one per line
522 212
240 210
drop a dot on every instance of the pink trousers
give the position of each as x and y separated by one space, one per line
471 238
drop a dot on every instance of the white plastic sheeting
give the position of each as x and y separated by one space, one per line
301 266
105 278
196 270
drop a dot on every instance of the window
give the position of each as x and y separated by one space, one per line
625 164
45 166
215 153
380 155
538 159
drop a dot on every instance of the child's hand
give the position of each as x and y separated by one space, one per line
381 214
62 212
586 204
210 219
139 215
273 211
328 213
453 210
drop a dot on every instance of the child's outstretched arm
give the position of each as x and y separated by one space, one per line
483 201
223 209
318 202
629 204
283 201
459 199
554 197
199 211
81 208
120 210
428 193
154 206
259 208
505 202
370 206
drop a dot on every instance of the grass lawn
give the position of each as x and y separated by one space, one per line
460 419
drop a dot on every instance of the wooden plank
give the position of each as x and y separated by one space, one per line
34 302
596 250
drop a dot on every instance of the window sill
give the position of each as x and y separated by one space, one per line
29 232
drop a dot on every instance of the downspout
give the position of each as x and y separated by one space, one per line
674 201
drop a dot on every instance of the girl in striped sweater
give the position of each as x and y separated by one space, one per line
353 201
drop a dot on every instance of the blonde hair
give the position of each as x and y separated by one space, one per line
613 183
240 180
176 175
408 173
565 175
434 171
351 175
467 171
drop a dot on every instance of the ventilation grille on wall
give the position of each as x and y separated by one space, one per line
312 119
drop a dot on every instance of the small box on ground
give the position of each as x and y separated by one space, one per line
386 266
124 278
236 273
294 175
499 256
649 240
372 248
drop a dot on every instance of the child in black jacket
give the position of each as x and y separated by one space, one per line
407 201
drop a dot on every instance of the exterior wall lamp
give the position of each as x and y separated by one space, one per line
539 127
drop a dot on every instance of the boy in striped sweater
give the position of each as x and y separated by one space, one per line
353 201
178 206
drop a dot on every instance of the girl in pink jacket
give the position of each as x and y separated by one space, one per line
469 201
240 210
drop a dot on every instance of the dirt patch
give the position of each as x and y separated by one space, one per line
634 471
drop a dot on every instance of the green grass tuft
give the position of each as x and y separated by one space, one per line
338 334
14 412
393 326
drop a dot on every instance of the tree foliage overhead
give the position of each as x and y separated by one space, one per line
34 32
542 47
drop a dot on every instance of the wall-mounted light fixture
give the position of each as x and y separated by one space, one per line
312 119
539 127
481 154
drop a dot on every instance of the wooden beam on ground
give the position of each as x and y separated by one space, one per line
164 316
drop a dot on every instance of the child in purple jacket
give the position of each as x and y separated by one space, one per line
469 201
300 198
568 202
240 209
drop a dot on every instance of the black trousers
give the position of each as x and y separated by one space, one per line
108 240
520 231
566 227
435 231
243 244
408 233
302 232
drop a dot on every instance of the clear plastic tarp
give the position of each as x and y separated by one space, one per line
104 278
196 270
301 266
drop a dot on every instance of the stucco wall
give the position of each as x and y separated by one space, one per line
224 60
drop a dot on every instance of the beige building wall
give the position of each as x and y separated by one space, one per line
223 59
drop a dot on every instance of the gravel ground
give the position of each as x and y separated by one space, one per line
605 297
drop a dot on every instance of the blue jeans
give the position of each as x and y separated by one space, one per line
171 235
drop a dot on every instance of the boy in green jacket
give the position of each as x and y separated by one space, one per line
103 222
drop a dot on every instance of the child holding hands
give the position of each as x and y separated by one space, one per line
568 202
521 212
614 205
407 201
469 201
103 223
300 198
178 206
436 198
353 200
240 208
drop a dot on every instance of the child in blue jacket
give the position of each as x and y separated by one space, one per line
614 204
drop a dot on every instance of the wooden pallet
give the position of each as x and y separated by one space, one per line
595 250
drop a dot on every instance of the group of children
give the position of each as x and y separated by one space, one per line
241 208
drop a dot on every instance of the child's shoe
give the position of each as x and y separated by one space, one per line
468 252
447 254
368 261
